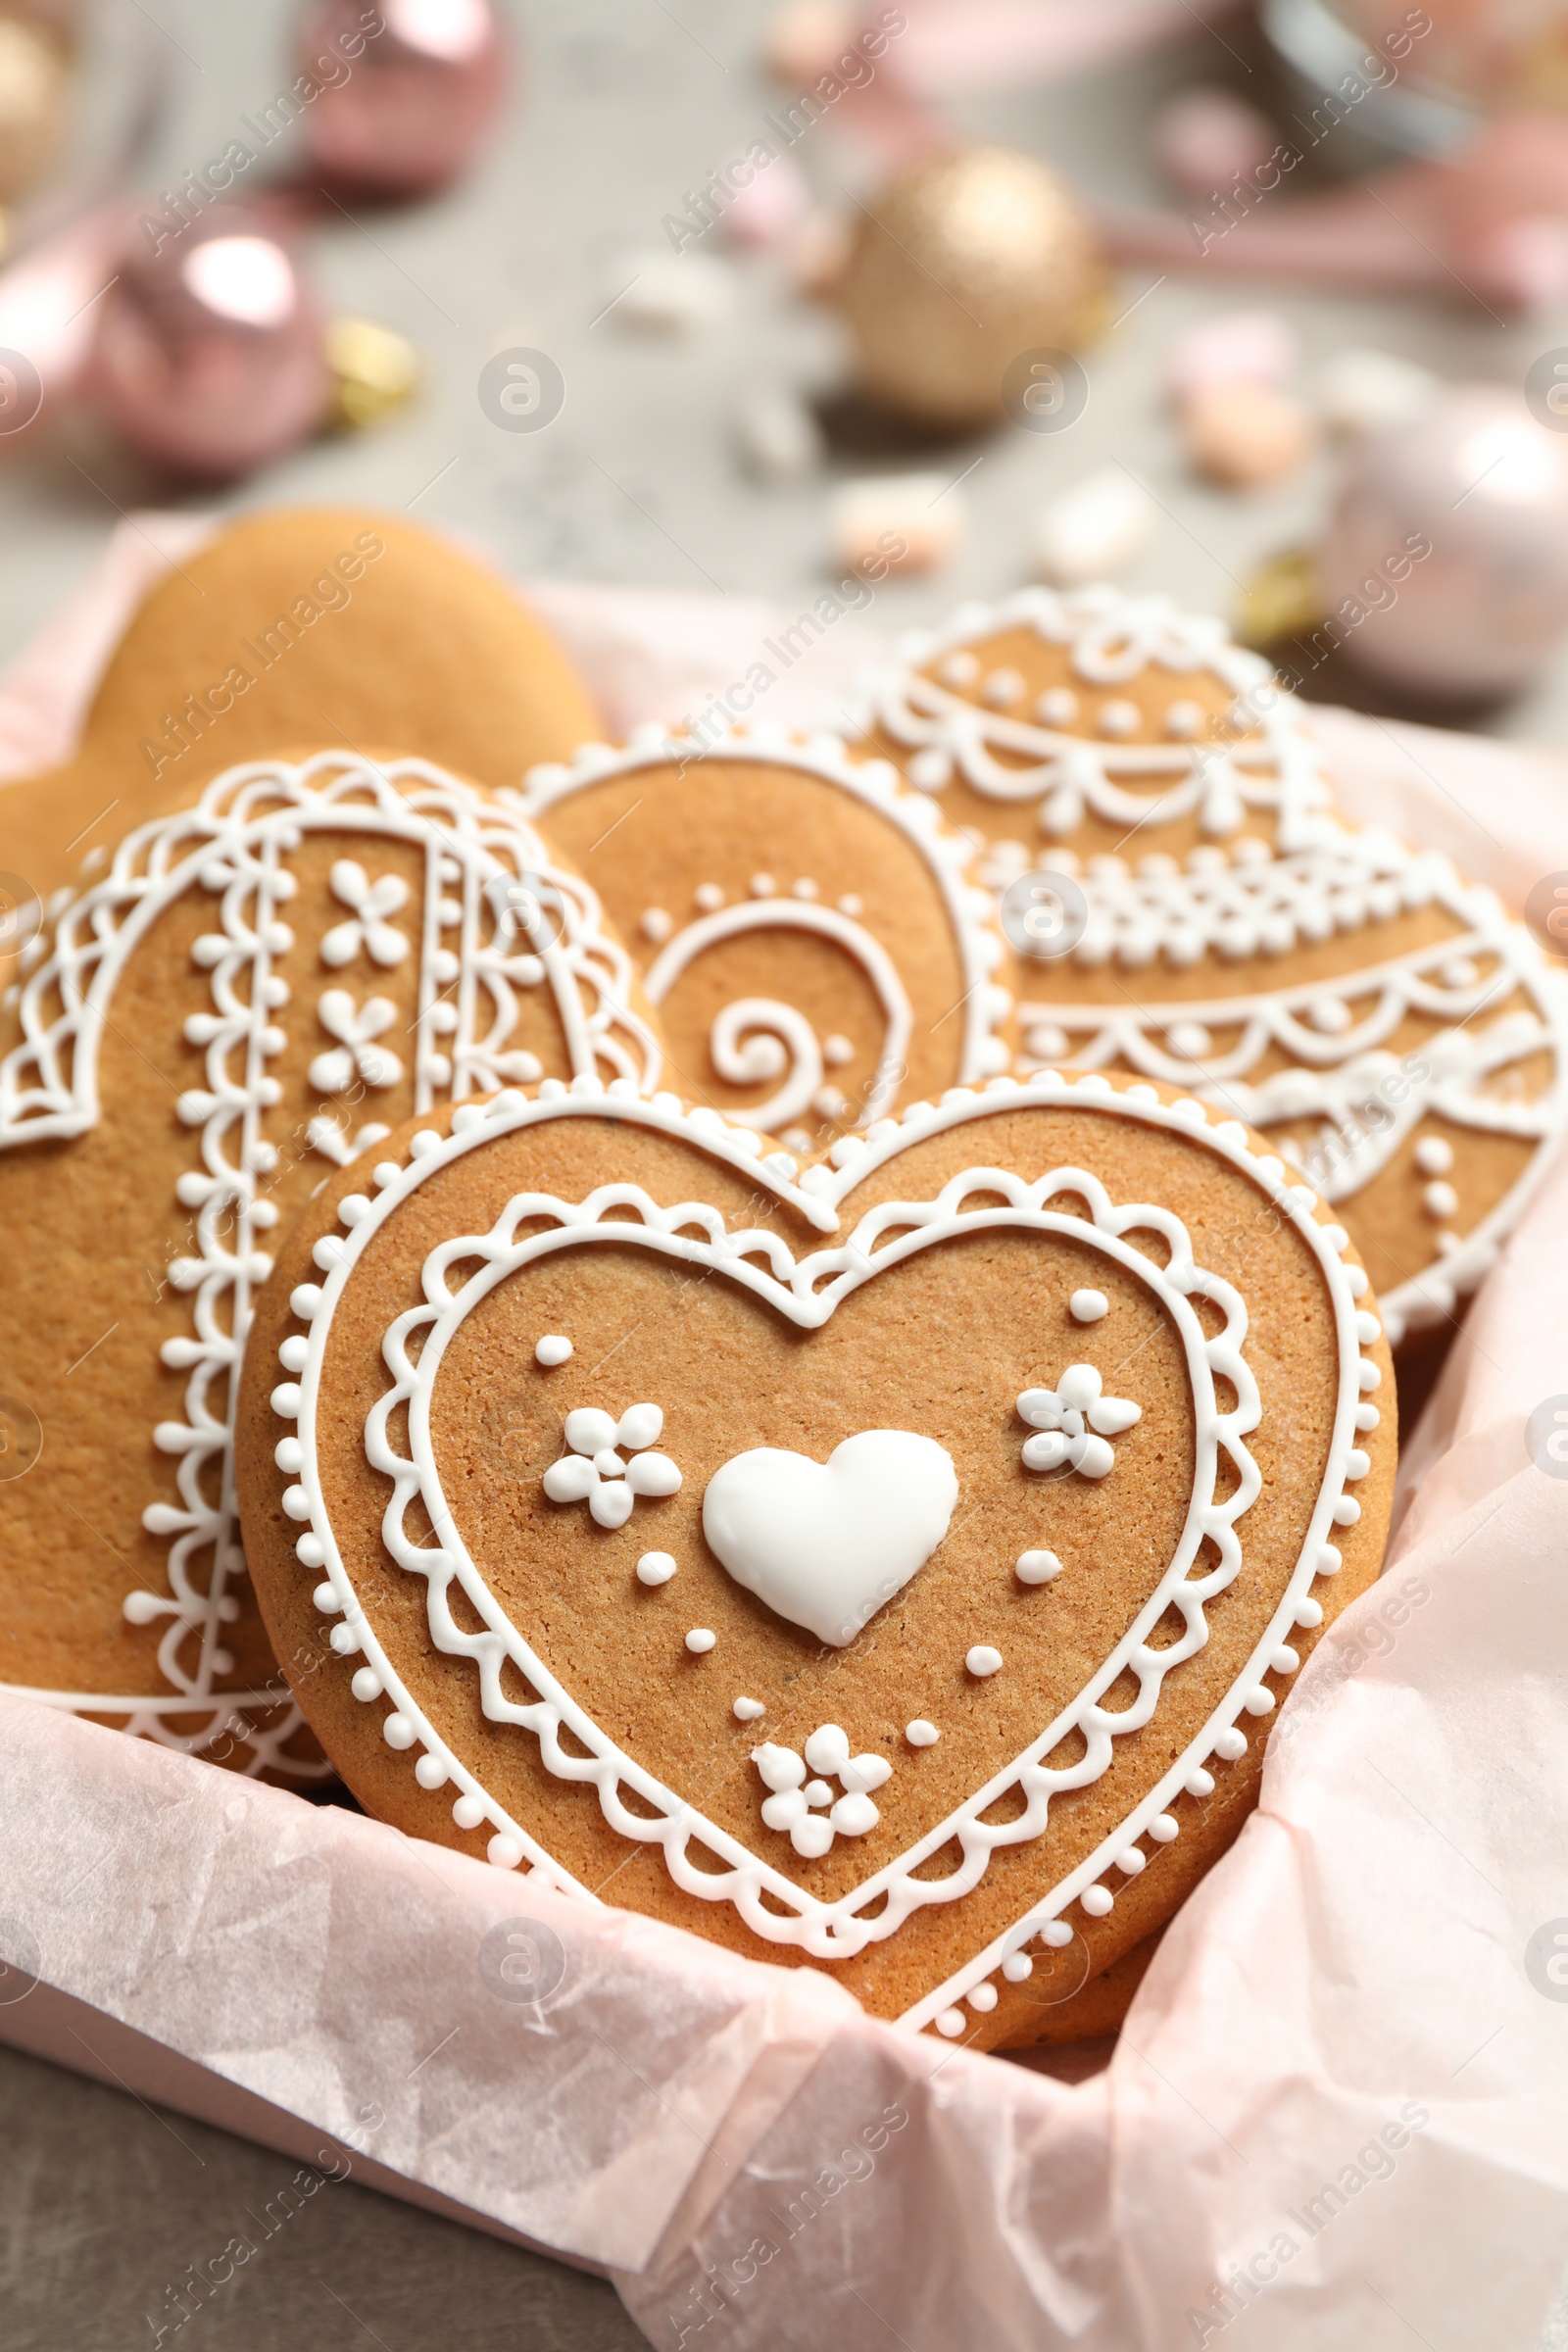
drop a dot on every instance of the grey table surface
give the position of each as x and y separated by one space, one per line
622 106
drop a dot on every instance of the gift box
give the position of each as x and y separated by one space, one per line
1333 2112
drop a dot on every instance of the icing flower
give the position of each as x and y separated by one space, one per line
367 927
1067 1415
807 1808
357 1025
594 1472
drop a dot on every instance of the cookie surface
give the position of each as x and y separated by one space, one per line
294 629
1211 922
261 986
890 1565
812 933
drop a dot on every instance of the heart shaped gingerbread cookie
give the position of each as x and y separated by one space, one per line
1192 908
977 1492
261 987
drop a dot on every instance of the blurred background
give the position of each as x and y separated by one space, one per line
1178 292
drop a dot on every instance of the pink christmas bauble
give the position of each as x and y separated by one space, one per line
1445 569
209 354
399 111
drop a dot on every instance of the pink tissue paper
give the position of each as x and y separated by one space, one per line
1334 2115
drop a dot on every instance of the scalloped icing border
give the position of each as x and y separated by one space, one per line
817 1195
235 836
949 855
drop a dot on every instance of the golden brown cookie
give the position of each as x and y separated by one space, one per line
813 935
305 626
259 987
891 1565
1192 908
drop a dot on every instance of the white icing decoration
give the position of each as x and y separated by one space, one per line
656 1568
1037 1567
700 1640
747 1710
921 1734
759 1039
1338 1062
827 1544
358 1055
805 1292
367 926
237 844
1075 1421
1434 1155
788 1806
983 1660
1088 1306
591 1471
1110 639
553 1349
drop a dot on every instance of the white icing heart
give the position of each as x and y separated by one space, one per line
825 1543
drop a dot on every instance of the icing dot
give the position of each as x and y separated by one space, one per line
762 886
745 1710
1358 1463
1439 1199
1346 1512
828 1748
931 770
1367 1416
1036 1568
1046 1040
1230 1744
1284 1660
1057 707
829 1103
326 1600
1330 1015
1367 1328
366 1683
817 1793
855 1815
1458 972
836 1051
1132 1861
1119 718
430 1772
1163 1828
1003 688
1308 1612
804 888
983 1998
850 905
960 670
920 1734
1017 1968
468 1812
951 2023
1371 1376
1057 1933
1190 1040
1258 1703
398 1732
983 1660
1183 719
1199 1782
504 1853
554 1348
1434 1155
1329 1560
657 924
708 897
656 1568
1097 1901
1088 1306
700 1640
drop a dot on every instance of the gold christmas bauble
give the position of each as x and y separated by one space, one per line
958 267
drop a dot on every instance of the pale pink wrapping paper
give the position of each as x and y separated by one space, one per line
757 2163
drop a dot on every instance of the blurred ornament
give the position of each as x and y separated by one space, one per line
955 268
374 372
1095 530
34 87
1282 599
817 254
771 206
1447 559
209 356
1360 391
896 522
1246 436
418 95
1244 347
1203 137
805 37
778 438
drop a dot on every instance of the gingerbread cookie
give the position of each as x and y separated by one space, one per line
891 1565
260 988
293 629
813 935
1162 843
